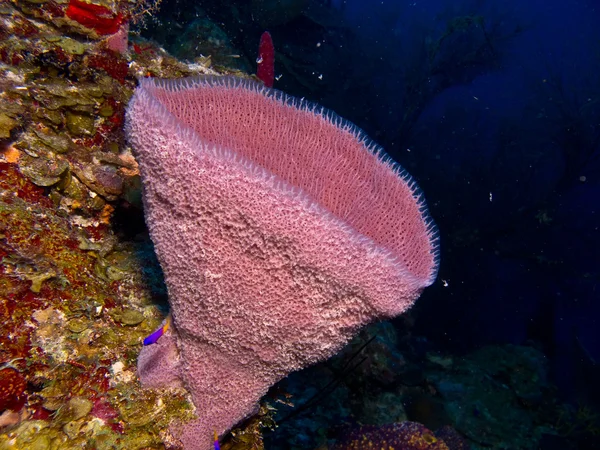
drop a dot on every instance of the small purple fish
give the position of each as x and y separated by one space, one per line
151 339
217 447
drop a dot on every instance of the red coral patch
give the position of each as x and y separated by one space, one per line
12 389
96 17
111 63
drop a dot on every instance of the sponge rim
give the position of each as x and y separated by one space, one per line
146 85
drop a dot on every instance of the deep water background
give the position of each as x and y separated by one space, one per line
494 108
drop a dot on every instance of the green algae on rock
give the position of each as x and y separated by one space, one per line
129 317
80 124
77 389
7 124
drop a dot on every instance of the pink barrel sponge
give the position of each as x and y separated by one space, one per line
281 230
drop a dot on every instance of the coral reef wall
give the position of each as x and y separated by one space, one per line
79 283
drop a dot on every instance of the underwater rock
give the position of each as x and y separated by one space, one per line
101 179
59 143
7 124
129 317
108 179
80 124
404 436
43 172
495 395
78 407
78 325
58 337
453 439
71 46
